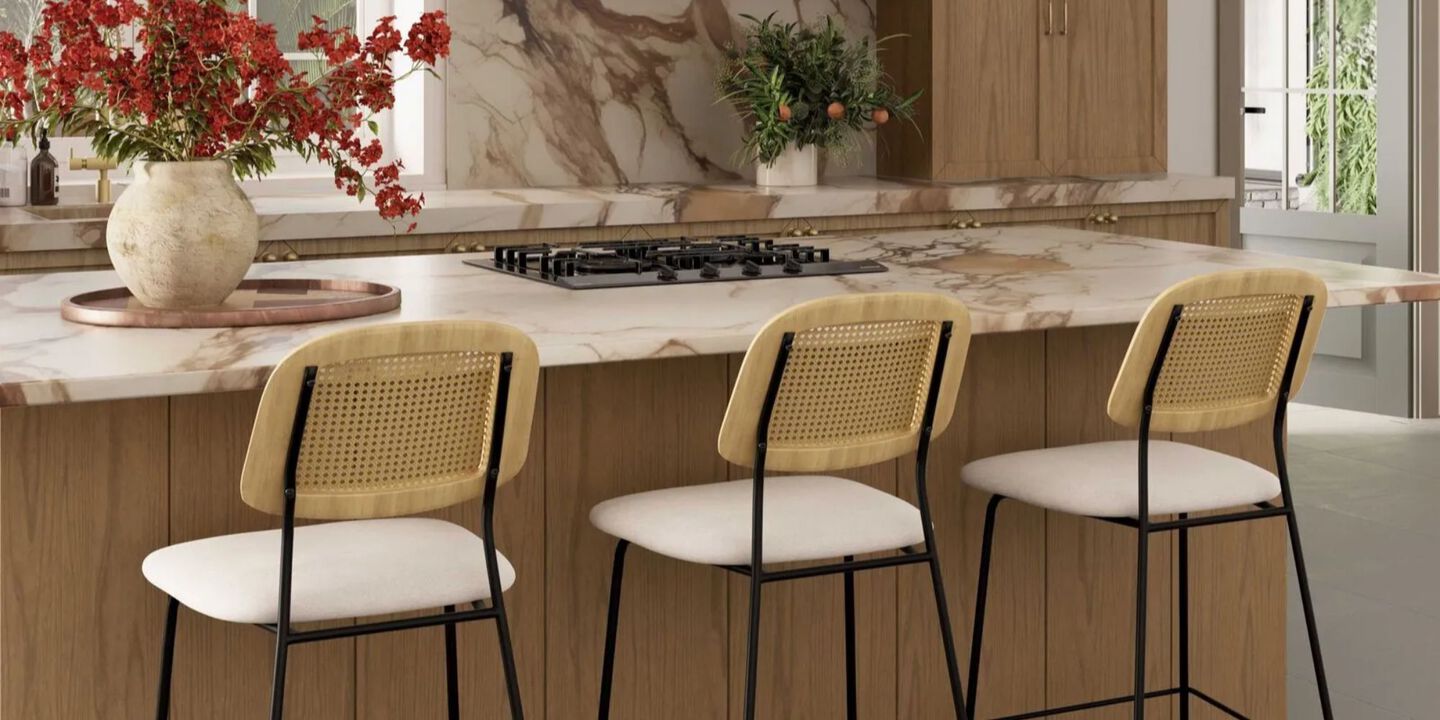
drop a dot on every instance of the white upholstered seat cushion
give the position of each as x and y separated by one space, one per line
1100 479
341 570
807 517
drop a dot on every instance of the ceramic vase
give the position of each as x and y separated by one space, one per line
794 168
182 234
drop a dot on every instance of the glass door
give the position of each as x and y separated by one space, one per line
1327 171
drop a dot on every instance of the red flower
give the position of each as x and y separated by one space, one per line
201 80
429 38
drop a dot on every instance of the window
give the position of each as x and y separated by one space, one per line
1311 123
413 130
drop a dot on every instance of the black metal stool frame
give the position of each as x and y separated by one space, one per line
1145 527
286 636
759 576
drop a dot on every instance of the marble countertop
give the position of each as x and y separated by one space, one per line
1024 278
462 211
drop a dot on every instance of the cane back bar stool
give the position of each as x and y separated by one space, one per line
828 385
1214 352
361 427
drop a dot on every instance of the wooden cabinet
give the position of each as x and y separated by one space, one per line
1017 88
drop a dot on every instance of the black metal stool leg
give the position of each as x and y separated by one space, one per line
1142 566
1184 610
507 658
851 706
167 662
452 669
982 591
1309 606
607 674
277 690
752 654
957 694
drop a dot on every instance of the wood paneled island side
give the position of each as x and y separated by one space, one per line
114 442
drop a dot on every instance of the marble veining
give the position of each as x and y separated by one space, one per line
465 211
592 92
1022 278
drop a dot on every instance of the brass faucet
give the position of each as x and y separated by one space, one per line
104 165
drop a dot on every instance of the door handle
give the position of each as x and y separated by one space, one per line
1065 19
1049 17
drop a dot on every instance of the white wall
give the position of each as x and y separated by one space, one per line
1193 93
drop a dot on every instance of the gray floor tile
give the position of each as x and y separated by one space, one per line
1368 492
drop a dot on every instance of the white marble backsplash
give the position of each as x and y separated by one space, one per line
601 92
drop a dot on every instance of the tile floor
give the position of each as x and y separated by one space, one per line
1368 490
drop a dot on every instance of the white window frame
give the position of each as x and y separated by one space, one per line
420 102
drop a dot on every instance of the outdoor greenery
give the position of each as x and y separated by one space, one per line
797 84
1356 124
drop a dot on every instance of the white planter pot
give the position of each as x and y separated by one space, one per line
794 167
183 234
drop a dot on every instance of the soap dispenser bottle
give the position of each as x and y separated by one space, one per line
44 175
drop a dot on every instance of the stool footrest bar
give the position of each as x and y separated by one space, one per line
836 568
1080 707
1090 705
1222 707
344 631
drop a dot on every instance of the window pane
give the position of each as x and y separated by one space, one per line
1357 153
291 17
19 17
1355 44
1309 141
1265 185
1265 43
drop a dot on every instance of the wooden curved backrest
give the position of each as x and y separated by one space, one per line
1227 358
855 384
400 420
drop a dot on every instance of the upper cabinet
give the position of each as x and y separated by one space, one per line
1017 88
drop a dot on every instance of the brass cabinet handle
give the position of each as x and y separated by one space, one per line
1049 17
1065 19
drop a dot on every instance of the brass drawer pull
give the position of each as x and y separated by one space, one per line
1050 17
1065 19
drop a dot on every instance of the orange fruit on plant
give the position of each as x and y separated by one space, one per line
835 111
785 113
880 116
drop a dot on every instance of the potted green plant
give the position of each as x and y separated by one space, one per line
799 87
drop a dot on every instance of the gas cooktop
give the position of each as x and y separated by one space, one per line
662 262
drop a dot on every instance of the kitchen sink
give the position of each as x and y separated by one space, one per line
71 212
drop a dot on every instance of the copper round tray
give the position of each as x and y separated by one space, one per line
255 302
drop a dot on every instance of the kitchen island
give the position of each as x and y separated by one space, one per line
114 442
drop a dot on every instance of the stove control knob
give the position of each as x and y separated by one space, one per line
793 266
751 269
666 274
710 272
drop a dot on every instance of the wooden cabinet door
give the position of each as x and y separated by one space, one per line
988 100
1110 89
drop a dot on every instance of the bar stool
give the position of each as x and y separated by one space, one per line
828 385
363 426
1214 352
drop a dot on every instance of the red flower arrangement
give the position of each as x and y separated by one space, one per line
202 82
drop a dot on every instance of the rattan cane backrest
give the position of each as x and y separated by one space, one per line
400 420
1228 355
855 385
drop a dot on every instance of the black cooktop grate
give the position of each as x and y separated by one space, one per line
632 263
